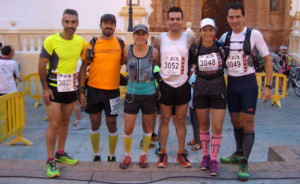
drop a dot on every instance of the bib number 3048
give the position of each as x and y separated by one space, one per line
66 82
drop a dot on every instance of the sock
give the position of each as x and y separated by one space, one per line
95 141
50 159
146 142
205 138
127 139
60 151
215 146
248 144
112 142
239 139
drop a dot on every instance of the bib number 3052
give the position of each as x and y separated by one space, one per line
172 65
66 82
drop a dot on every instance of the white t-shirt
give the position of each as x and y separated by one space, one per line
174 60
236 50
8 68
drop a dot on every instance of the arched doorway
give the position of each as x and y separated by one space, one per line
216 10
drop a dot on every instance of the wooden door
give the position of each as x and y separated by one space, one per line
216 9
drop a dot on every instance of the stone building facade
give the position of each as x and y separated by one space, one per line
271 17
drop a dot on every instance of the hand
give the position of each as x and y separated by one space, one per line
267 92
82 100
47 94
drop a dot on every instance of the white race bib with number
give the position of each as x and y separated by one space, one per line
66 82
172 65
236 63
115 105
209 62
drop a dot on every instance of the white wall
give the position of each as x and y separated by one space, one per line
46 14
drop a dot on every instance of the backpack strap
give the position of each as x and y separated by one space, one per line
90 50
122 44
247 44
227 43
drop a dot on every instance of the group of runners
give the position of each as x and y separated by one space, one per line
176 52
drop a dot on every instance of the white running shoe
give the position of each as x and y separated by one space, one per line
81 125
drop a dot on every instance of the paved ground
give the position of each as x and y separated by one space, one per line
274 126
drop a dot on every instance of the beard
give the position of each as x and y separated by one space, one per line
108 32
70 31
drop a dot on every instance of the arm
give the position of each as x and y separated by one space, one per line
82 78
269 71
157 47
47 92
124 56
156 56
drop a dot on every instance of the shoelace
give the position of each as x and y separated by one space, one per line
183 157
52 165
66 155
161 157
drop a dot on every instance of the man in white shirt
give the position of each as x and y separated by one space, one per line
242 88
175 90
9 71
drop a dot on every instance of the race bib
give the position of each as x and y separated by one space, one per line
115 105
173 65
209 62
237 63
66 82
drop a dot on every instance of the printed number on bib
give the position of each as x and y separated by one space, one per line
237 63
172 65
115 105
66 82
209 62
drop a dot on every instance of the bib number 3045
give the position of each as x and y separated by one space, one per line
66 82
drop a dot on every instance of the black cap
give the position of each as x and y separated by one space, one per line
140 27
106 17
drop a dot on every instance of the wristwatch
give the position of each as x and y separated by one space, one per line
80 90
269 86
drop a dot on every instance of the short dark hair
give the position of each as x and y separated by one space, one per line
175 9
70 11
235 6
6 50
0 44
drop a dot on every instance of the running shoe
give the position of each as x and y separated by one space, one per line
154 137
51 169
111 159
143 161
151 145
162 161
243 172
232 159
81 125
214 171
96 158
75 122
126 162
183 160
204 165
65 158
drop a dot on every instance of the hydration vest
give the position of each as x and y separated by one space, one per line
90 50
246 46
